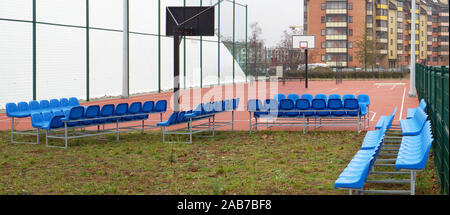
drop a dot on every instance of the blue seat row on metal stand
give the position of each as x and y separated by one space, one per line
70 114
412 155
202 111
411 111
307 106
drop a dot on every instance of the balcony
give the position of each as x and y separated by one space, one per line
336 50
381 29
336 11
443 53
443 24
417 52
409 42
429 33
417 21
399 19
369 25
382 51
409 31
336 24
399 41
369 12
381 18
382 6
429 53
333 64
382 40
443 33
337 37
443 14
399 52
443 43
429 43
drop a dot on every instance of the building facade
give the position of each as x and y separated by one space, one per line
339 25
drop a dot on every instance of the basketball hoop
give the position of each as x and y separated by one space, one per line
303 45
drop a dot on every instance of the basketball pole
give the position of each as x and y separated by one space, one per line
306 68
176 69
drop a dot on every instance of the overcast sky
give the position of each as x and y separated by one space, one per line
274 17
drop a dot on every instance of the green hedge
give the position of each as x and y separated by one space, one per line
327 73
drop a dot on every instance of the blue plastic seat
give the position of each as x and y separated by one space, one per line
356 172
228 105
208 108
54 123
363 99
134 108
293 97
172 119
35 107
181 117
91 112
414 125
414 150
335 105
148 106
106 111
271 106
347 96
37 120
255 105
218 106
411 111
45 105
334 96
75 113
321 96
352 104
160 106
303 105
287 105
64 103
73 102
320 105
388 119
121 109
374 139
278 97
308 97
55 104
235 103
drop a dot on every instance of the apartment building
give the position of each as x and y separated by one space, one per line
340 24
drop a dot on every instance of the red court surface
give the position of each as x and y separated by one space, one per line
384 96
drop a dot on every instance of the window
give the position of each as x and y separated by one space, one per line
350 45
350 6
391 42
323 45
350 19
391 53
323 32
322 19
350 32
350 58
322 58
323 6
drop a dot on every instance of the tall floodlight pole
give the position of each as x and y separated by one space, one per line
125 74
412 84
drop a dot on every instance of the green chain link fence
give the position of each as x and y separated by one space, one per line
432 85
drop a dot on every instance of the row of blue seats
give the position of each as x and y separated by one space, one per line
25 109
202 111
93 115
303 108
363 99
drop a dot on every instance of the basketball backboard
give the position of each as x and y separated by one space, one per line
303 41
192 21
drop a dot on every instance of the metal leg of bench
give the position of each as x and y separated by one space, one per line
160 117
256 124
46 138
12 130
163 133
142 131
232 120
190 130
117 130
65 135
250 120
413 182
214 125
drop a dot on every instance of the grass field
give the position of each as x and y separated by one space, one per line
268 162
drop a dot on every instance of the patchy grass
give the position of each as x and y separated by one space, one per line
268 162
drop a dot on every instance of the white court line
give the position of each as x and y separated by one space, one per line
393 86
357 91
373 117
403 102
333 90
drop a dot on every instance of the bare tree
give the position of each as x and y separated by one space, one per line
256 47
290 57
365 51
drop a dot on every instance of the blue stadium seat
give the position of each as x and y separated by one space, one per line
308 97
347 96
293 97
356 172
235 103
91 112
320 104
106 111
352 104
134 108
218 106
38 120
160 106
12 110
334 96
411 111
414 150
374 139
271 106
172 119
388 119
321 96
255 105
287 105
363 99
45 105
64 103
54 123
303 105
75 113
148 106
35 107
55 104
414 125
73 102
121 109
278 97
335 105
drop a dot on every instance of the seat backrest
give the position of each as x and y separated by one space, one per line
135 108
107 110
426 141
47 116
173 118
319 104
351 104
309 97
55 104
321 96
23 107
302 104
64 102
423 104
121 109
254 105
391 118
56 122
335 104
73 101
45 104
293 97
199 109
76 113
36 118
235 103
34 105
334 96
278 97
286 104
271 105
148 106
161 106
92 111
11 108
180 117
420 117
347 96
363 98
208 107
218 106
